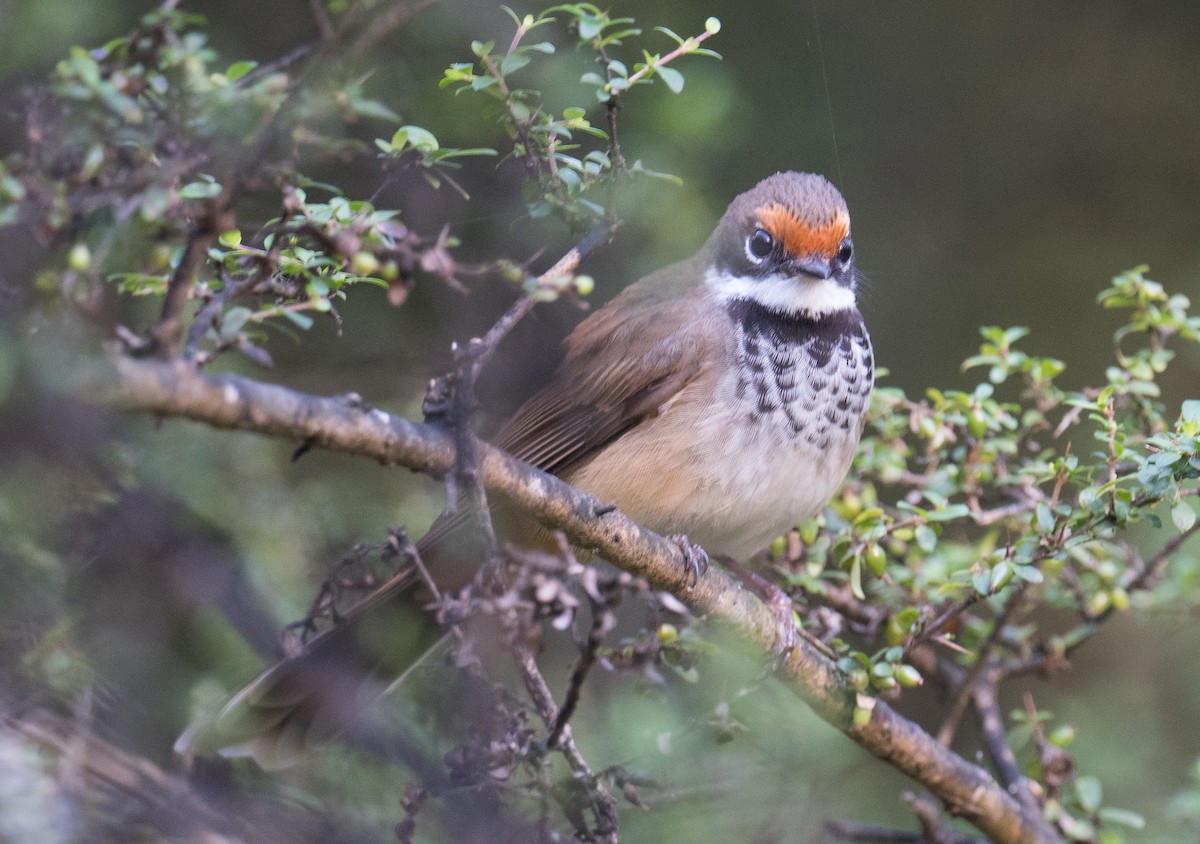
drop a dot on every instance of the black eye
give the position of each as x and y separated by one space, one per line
759 245
845 252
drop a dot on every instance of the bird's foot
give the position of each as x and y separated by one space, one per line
786 638
695 558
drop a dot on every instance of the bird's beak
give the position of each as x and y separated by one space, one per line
813 265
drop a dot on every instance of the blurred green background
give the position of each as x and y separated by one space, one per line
1001 162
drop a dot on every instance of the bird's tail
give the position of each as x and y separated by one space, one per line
309 697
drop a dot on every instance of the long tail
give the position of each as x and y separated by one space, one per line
308 698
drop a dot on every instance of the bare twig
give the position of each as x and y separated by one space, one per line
870 833
166 333
995 740
604 806
982 661
1057 765
603 622
933 831
1147 574
931 628
380 24
321 19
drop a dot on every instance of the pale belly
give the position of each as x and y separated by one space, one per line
729 478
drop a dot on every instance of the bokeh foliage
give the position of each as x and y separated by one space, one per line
149 131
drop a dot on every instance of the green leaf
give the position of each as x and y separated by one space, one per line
1089 792
927 538
200 190
982 582
415 137
590 26
303 321
1183 516
1030 574
1076 829
1002 573
232 321
512 63
373 108
239 69
1045 518
856 578
949 512
1124 817
671 77
1191 411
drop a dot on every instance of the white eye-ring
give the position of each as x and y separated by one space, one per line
759 246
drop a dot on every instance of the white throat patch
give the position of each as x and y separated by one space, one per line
783 294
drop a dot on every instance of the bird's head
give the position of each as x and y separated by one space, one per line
785 244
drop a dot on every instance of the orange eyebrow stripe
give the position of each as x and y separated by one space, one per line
798 237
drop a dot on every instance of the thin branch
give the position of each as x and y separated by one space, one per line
233 402
380 24
321 19
603 804
169 328
869 833
982 660
603 622
930 629
1147 575
995 740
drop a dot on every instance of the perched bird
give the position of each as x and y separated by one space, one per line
721 398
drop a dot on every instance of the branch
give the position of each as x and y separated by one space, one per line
338 424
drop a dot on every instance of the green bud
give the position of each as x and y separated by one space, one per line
1062 736
778 546
80 257
364 263
876 559
864 705
976 423
712 26
883 676
894 632
1002 573
862 717
584 285
667 634
808 532
908 676
884 684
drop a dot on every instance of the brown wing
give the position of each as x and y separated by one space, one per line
622 365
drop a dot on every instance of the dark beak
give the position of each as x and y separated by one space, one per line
813 265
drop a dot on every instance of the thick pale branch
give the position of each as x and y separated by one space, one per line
344 424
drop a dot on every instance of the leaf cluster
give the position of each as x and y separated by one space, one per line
969 516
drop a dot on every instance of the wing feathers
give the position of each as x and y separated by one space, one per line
623 364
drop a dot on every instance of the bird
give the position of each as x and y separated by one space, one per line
719 400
